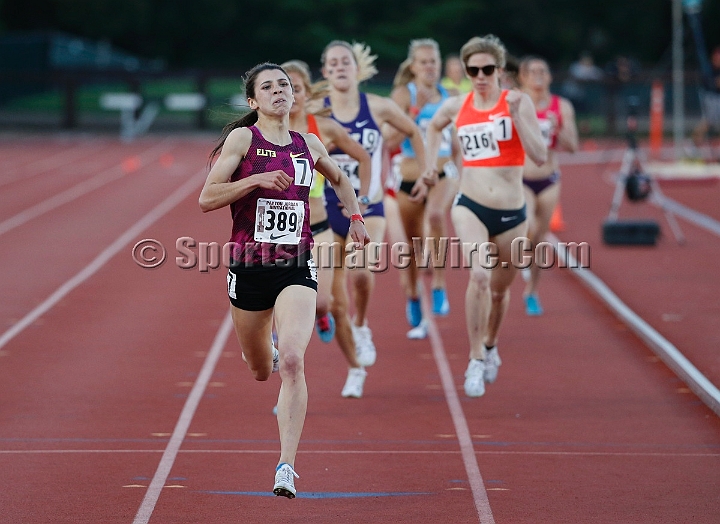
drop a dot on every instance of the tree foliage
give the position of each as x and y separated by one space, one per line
237 33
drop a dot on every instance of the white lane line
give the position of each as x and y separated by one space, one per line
113 249
662 347
697 218
477 485
357 452
86 186
188 412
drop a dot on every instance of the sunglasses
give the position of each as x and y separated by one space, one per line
487 70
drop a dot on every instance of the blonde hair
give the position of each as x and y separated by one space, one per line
362 55
489 44
316 91
404 76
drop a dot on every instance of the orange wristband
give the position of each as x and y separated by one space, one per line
356 217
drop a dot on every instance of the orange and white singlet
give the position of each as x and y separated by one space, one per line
488 138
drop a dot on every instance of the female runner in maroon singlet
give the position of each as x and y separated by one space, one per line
263 172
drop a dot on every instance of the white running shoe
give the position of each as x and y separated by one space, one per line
474 378
276 359
492 363
284 481
419 332
364 348
525 272
354 384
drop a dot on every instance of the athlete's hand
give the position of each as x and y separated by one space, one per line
358 234
278 180
430 177
419 191
513 99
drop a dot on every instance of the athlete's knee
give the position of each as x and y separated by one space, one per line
338 307
480 277
497 296
362 280
291 363
436 219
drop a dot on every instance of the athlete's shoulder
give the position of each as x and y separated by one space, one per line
238 140
313 143
329 127
374 100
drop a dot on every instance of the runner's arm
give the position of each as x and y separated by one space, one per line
525 120
568 134
342 186
219 192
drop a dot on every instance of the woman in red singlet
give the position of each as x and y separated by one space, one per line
542 183
496 128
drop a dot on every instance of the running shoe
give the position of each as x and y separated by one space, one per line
419 332
441 305
284 481
413 312
532 305
276 359
474 378
492 363
353 387
364 348
325 327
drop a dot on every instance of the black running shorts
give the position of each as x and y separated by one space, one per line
256 288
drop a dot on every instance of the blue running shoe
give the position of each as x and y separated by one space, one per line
441 305
325 327
532 306
413 312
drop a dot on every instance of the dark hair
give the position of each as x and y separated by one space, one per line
525 62
251 116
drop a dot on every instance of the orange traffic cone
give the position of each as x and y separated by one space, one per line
556 220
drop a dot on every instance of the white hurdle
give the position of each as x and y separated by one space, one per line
129 103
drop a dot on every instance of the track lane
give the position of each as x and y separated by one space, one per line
581 438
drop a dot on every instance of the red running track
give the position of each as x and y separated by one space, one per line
100 358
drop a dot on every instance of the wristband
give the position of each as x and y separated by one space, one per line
356 217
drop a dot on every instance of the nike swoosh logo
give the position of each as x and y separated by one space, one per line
295 155
502 219
273 237
362 124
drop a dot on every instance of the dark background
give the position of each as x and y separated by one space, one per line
237 34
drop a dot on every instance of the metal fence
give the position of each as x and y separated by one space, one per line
71 100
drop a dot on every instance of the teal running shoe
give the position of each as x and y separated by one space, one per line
532 306
441 305
325 327
413 312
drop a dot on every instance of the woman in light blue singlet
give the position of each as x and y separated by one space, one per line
419 93
344 66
